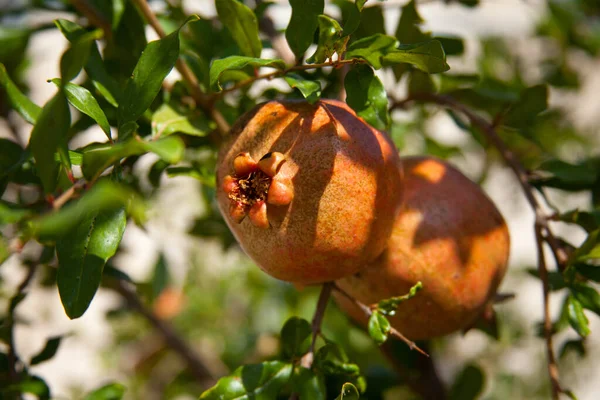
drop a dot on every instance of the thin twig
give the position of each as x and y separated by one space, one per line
317 320
542 228
13 358
67 194
195 364
368 312
543 272
203 100
281 72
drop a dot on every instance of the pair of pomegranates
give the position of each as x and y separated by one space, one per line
314 194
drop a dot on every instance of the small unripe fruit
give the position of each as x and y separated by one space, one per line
448 235
310 191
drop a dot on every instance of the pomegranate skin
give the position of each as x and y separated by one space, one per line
334 192
448 235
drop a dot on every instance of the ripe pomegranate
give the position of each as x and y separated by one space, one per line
310 191
448 235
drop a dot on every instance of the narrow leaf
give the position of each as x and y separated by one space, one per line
99 158
469 384
242 24
25 107
111 391
367 96
588 220
167 120
105 196
218 67
308 384
372 48
428 56
76 56
532 101
83 100
587 296
311 90
49 135
379 327
330 40
251 382
389 306
82 254
47 352
590 248
303 24
577 318
294 337
353 20
154 65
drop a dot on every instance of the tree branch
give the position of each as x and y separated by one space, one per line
196 365
542 228
368 312
317 320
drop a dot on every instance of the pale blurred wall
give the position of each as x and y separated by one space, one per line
79 361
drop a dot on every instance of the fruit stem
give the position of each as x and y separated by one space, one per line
317 320
367 311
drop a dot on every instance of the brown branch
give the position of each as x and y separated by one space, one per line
67 194
282 72
204 101
543 272
196 365
542 228
317 320
13 358
368 312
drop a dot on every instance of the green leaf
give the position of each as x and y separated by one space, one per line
469 384
408 30
25 107
427 56
4 250
105 196
562 175
118 8
389 306
532 101
332 360
295 336
167 120
82 253
577 346
241 22
76 56
453 46
311 90
154 65
303 24
11 157
367 96
309 385
161 277
83 100
420 82
330 40
251 382
94 67
591 272
587 296
49 135
111 391
34 385
47 352
218 67
349 392
353 21
556 280
590 248
371 49
98 158
204 175
588 220
13 41
577 318
379 327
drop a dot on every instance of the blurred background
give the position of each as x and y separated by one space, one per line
193 275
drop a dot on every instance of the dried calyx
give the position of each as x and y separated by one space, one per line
253 185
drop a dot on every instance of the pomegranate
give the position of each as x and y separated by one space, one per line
310 191
448 235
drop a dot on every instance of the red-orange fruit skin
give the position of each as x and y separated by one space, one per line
448 235
346 179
